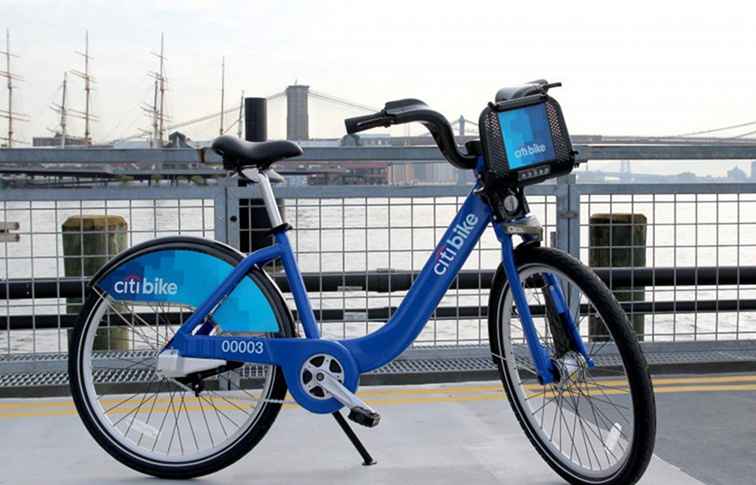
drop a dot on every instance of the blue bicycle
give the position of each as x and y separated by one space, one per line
211 348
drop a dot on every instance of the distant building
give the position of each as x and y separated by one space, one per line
375 139
137 143
688 177
366 140
350 173
54 141
315 142
178 140
736 173
401 173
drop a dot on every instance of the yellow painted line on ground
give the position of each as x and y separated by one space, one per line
730 388
367 392
371 393
66 408
703 380
501 396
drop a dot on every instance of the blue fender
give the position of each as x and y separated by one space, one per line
184 270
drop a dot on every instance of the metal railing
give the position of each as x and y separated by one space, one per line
360 245
37 289
700 251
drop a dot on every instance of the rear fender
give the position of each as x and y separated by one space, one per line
186 270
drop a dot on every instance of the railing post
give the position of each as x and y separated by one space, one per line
568 227
568 215
220 211
233 228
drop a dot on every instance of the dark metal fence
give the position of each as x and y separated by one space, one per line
359 247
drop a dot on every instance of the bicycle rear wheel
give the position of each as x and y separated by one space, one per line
158 425
596 425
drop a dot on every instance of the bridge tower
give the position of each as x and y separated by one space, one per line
297 118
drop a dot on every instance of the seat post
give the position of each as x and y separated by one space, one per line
266 190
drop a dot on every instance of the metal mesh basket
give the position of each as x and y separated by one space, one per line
495 154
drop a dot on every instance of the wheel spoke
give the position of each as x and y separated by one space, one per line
161 419
575 418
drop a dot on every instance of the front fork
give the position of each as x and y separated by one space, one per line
547 369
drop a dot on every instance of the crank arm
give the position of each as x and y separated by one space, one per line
359 411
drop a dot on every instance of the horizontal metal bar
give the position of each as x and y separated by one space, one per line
110 193
103 155
382 314
69 320
677 276
472 280
665 189
190 192
314 282
674 151
354 191
42 288
52 321
393 191
692 151
111 172
386 282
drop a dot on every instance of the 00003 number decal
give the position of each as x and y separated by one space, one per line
242 347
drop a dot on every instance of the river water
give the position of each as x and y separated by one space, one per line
351 235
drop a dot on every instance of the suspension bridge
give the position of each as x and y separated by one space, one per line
299 100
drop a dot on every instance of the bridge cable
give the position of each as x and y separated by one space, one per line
703 132
344 102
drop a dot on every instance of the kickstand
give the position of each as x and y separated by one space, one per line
367 459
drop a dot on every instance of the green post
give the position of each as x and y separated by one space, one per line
619 241
89 241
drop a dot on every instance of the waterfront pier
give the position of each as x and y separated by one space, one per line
365 216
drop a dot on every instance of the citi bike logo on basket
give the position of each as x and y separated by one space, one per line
136 285
532 149
446 253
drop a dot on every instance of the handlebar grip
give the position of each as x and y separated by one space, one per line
362 123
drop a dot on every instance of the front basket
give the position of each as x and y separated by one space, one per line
525 140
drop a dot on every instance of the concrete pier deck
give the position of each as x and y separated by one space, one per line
433 434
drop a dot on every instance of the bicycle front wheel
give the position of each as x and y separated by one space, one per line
594 425
155 424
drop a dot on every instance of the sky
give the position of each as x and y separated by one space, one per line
628 68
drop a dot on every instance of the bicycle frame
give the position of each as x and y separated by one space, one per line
382 346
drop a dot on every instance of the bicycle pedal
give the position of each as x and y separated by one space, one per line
364 417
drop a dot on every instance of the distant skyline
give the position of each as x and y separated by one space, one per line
630 68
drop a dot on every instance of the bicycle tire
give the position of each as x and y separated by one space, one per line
635 368
244 441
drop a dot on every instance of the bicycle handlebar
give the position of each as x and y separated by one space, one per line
409 110
362 123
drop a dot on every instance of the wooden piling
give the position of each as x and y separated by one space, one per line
618 241
89 241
